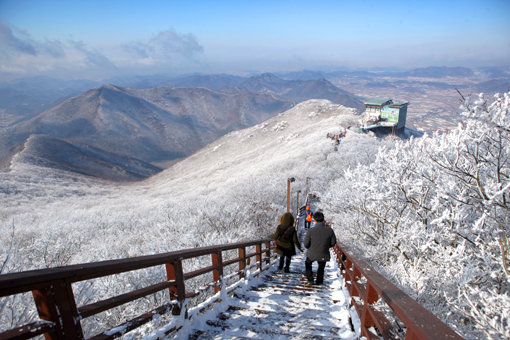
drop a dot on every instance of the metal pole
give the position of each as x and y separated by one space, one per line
288 195
290 179
297 204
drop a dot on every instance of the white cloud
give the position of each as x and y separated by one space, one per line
10 43
168 51
91 58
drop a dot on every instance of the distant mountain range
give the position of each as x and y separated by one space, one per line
144 123
27 97
438 72
140 129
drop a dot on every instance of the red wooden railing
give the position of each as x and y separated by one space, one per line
367 287
60 316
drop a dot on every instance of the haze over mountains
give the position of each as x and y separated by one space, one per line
142 129
29 96
135 128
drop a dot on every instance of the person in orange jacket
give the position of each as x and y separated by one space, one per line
308 218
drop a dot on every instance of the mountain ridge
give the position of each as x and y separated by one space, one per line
162 124
82 159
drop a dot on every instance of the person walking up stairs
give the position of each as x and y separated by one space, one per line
317 241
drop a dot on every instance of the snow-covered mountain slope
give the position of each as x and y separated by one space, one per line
83 159
233 189
288 144
395 209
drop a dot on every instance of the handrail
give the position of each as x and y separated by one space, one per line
56 305
420 323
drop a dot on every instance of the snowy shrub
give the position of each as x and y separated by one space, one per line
433 213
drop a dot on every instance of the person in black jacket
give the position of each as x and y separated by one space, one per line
286 240
318 240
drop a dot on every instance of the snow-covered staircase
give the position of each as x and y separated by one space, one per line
282 306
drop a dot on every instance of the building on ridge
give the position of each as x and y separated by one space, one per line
384 112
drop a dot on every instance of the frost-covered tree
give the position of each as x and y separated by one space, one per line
434 214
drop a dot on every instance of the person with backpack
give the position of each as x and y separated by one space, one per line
308 219
317 241
286 240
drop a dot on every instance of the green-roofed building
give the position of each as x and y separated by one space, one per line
377 102
384 112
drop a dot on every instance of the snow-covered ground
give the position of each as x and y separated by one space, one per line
232 190
238 180
280 305
432 214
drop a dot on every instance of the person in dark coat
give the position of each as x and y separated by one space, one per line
286 240
317 241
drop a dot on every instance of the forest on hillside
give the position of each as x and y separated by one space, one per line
431 213
434 214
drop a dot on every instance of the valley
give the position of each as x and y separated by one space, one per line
433 103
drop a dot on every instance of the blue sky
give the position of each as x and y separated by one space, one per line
97 39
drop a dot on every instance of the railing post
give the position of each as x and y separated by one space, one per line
56 303
242 262
339 259
348 264
217 262
258 248
372 295
178 292
366 323
268 252
356 273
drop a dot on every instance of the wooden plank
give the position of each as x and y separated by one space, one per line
252 254
122 329
28 331
364 331
232 261
258 257
242 261
47 310
101 306
66 308
56 304
198 272
360 291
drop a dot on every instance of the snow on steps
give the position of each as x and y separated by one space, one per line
282 306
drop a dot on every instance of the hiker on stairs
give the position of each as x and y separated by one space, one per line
308 219
286 240
318 240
